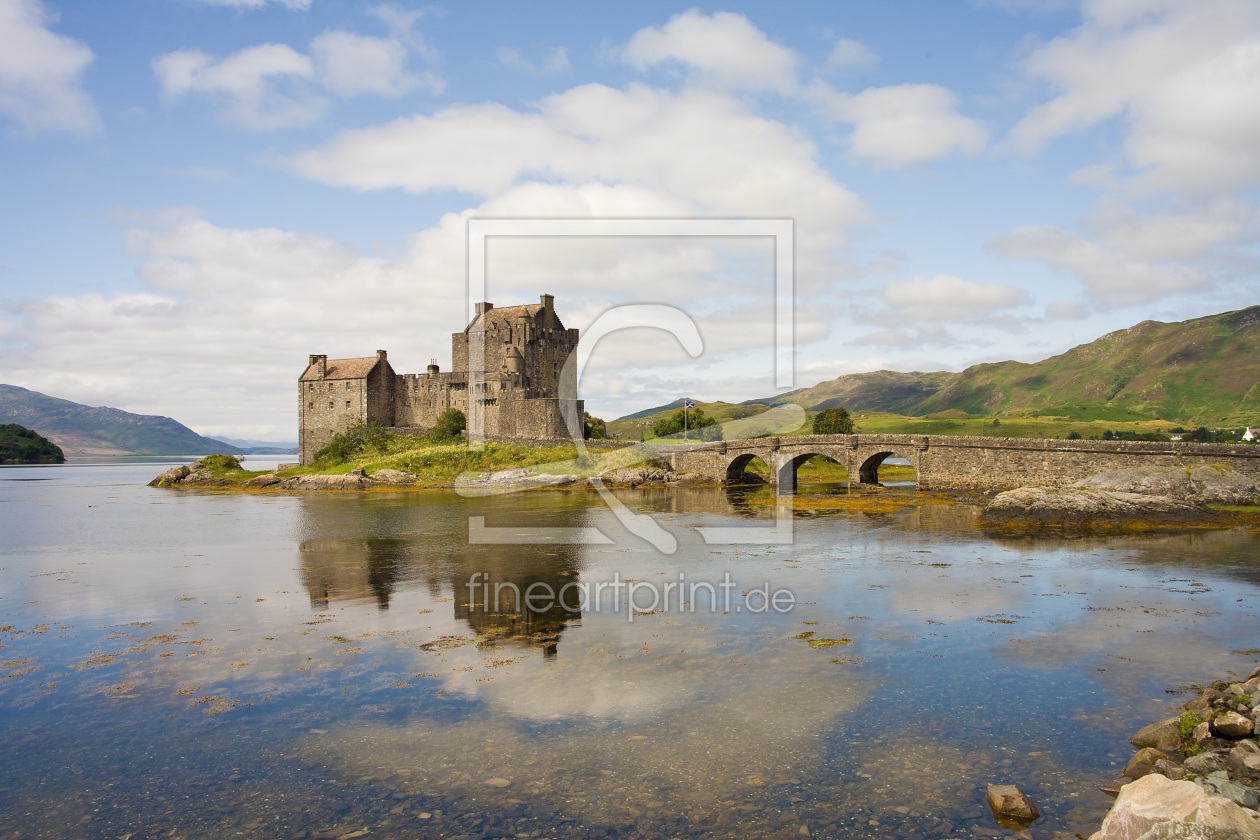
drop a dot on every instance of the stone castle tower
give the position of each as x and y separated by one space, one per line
508 377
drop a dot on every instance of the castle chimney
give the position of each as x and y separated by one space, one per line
433 367
483 308
548 303
380 354
322 361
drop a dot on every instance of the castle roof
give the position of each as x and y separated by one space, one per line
342 369
505 316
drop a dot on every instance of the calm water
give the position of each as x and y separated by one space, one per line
212 665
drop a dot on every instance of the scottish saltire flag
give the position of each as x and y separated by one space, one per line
689 404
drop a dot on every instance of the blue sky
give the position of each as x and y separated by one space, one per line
199 193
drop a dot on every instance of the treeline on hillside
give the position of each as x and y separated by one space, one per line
20 445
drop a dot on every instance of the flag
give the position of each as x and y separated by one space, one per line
689 404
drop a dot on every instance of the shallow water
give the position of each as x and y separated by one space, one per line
207 665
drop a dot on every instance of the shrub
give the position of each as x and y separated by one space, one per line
357 439
220 463
692 422
833 421
449 425
593 428
1074 436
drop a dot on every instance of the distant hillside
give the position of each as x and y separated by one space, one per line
260 447
1202 372
84 430
20 445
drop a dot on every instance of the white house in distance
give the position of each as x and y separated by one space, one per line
1251 434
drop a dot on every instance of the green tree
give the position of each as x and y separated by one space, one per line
833 421
698 426
1074 436
450 424
593 428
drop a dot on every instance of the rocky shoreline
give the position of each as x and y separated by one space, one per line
198 474
1195 775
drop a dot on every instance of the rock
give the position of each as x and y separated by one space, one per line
393 476
263 480
1203 484
1201 732
1074 508
634 476
1177 830
1154 799
1204 763
497 782
172 476
1231 790
1143 762
1164 735
322 482
514 479
1169 769
1233 725
1010 802
1199 707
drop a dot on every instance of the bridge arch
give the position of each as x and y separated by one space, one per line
868 472
736 469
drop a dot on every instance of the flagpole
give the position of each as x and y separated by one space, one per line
684 419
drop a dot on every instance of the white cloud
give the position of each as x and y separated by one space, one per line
945 297
40 72
350 65
272 86
1185 75
902 124
249 85
682 146
848 53
722 49
557 61
1110 276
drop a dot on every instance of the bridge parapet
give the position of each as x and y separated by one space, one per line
957 462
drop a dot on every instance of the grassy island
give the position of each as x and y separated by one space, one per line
20 445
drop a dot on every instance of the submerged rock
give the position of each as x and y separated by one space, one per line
1143 762
1042 507
1009 803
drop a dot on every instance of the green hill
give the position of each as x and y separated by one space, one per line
19 445
1202 372
85 430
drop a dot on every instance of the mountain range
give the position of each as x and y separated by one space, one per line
87 430
1200 372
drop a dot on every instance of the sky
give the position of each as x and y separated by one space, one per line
198 194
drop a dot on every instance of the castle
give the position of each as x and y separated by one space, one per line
508 376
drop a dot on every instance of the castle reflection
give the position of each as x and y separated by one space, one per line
521 594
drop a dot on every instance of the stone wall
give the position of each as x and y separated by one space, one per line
956 462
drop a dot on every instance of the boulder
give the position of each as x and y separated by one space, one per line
1202 732
1177 830
1199 707
322 482
393 476
263 480
1153 799
1164 735
172 476
1204 484
1221 784
1169 769
1143 762
1204 763
1232 725
1010 803
1081 508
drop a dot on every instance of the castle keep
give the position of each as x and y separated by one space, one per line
508 377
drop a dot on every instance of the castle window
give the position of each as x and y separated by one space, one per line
310 386
347 403
330 403
347 386
310 405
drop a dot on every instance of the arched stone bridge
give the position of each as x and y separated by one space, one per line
953 462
